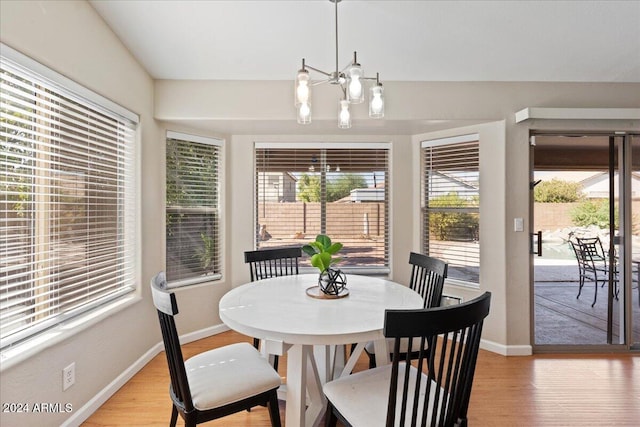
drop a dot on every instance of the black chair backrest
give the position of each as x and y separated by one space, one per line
592 248
167 307
584 260
267 263
427 278
453 337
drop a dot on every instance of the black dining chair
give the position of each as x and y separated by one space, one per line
433 390
267 263
215 383
427 278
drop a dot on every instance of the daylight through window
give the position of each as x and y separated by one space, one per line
336 189
451 204
67 199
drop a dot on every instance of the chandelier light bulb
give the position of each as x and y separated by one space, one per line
355 94
376 103
344 119
302 89
303 92
304 113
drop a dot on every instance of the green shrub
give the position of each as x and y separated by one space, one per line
593 212
447 224
557 191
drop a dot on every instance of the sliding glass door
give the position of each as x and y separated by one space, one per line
586 189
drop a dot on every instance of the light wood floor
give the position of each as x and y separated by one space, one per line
544 390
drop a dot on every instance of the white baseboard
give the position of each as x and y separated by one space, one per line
99 399
506 350
203 333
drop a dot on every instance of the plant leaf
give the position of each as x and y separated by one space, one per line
321 261
335 260
309 250
317 246
334 248
324 240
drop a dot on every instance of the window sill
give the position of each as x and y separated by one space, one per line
20 352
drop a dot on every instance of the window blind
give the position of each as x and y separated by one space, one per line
67 203
451 204
336 189
193 211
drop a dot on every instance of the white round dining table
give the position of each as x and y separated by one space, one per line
280 312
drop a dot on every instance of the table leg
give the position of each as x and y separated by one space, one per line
353 359
296 385
382 352
323 357
302 381
316 403
330 360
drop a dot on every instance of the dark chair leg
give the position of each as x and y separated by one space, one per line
372 359
174 416
256 343
330 419
595 294
274 410
580 284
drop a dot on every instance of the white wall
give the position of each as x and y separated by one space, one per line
71 38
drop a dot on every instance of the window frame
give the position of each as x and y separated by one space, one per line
41 78
381 270
441 142
218 143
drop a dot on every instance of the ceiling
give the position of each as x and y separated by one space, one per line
516 40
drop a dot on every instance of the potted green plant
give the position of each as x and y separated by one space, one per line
331 281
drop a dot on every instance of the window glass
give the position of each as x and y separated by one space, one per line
336 190
67 201
193 211
451 204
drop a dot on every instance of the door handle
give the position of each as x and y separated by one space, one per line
536 243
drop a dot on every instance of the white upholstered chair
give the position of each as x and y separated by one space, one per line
215 383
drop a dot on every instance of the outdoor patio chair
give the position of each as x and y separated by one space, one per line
433 390
593 265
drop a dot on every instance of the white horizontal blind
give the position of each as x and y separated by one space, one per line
451 204
193 209
341 192
67 203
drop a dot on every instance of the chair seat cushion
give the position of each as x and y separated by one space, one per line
228 374
362 398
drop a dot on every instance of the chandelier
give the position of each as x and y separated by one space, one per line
351 82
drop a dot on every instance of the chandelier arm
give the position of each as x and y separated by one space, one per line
319 82
336 3
317 70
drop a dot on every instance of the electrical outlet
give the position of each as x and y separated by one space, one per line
68 376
